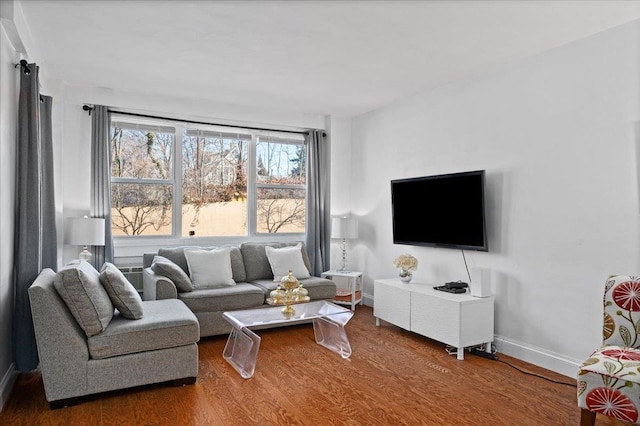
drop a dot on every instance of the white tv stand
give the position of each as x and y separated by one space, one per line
459 320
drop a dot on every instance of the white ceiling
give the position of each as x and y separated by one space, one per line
320 57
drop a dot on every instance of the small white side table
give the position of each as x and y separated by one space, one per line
352 295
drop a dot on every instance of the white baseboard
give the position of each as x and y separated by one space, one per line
543 358
6 384
367 299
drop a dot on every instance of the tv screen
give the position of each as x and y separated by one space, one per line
440 211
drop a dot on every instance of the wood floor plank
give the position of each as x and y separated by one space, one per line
393 377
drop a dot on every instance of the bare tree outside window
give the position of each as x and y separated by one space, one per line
214 179
141 208
206 193
281 210
281 193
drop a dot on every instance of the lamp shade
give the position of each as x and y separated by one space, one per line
84 231
344 227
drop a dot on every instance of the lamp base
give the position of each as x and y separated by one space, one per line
343 267
85 254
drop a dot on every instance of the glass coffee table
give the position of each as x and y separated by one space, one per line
241 350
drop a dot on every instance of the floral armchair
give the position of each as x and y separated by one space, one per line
609 380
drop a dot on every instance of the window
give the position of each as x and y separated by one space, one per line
177 179
281 185
142 178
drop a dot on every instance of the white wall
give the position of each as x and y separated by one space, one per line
558 135
341 177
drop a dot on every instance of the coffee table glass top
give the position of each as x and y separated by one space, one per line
241 350
303 311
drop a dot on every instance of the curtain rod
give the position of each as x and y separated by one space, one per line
24 66
90 108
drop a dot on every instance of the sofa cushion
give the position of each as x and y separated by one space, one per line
80 288
237 264
285 259
317 288
209 268
240 296
176 255
166 268
122 293
256 262
166 323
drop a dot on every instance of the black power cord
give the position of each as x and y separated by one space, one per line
537 375
479 351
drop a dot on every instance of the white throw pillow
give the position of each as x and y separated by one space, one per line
210 268
287 258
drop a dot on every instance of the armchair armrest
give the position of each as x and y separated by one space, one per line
62 345
157 287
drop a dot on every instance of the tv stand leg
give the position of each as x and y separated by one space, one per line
460 354
377 322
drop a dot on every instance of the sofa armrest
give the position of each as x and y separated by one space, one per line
157 287
62 345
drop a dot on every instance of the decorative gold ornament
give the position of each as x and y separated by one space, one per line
288 292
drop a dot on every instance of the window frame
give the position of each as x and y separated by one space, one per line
180 127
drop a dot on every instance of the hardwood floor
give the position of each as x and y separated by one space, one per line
393 377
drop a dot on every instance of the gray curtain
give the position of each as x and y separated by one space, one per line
101 182
318 206
35 246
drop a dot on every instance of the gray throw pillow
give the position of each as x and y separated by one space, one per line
166 268
79 286
122 293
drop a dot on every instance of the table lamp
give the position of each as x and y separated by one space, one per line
85 231
344 228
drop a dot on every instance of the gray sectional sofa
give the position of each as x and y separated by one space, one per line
95 334
252 274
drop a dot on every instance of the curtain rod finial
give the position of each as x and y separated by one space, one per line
87 108
24 65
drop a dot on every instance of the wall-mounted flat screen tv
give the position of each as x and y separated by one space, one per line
440 211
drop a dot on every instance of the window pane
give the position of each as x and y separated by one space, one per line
214 183
281 210
141 154
215 219
139 209
280 161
